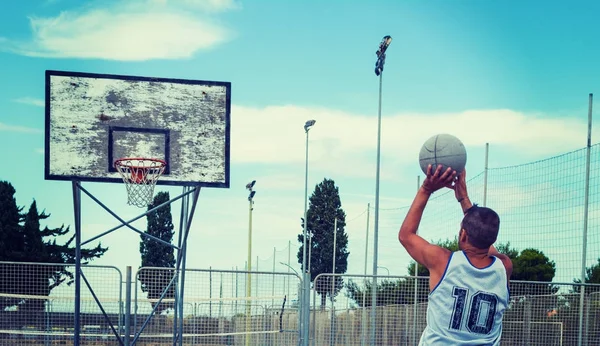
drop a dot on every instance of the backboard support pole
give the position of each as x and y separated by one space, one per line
178 280
183 227
77 216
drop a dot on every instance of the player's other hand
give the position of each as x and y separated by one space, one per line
460 185
436 179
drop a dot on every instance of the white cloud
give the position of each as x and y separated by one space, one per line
16 128
344 143
204 5
130 32
31 101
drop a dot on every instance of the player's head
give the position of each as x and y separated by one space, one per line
481 226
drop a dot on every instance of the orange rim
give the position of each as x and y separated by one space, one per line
121 162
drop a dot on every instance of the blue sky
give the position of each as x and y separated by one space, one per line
514 74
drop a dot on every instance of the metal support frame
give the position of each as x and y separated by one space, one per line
179 273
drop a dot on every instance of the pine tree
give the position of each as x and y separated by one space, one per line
324 207
155 254
24 242
10 217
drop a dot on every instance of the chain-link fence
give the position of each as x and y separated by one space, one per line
38 306
216 307
37 303
539 313
221 307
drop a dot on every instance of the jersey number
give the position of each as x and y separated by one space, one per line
480 302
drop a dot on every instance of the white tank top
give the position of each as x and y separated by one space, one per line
467 305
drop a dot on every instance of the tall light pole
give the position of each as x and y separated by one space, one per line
305 311
386 269
250 187
307 126
379 72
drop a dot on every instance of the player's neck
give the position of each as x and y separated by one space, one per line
475 253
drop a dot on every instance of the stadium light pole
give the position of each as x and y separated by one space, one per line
307 127
386 269
250 187
305 278
379 72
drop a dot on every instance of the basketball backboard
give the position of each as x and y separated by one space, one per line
94 119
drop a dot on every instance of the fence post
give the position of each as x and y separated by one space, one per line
306 307
120 320
127 305
585 221
331 341
485 174
416 293
273 281
527 322
363 323
288 268
586 323
47 313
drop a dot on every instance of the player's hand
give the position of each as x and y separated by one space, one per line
460 186
437 179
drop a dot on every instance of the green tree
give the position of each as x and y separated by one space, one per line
389 292
154 254
592 276
401 291
10 217
532 265
324 207
507 250
26 243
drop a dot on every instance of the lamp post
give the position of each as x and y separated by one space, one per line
289 267
250 187
388 271
305 310
307 126
379 72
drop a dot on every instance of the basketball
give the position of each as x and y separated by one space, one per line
443 149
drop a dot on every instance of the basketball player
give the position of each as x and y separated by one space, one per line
469 288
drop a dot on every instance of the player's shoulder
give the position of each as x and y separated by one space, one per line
438 257
506 262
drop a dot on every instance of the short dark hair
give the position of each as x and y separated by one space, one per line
482 225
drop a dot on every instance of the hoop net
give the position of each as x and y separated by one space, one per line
140 176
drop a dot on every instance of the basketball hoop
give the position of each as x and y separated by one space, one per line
140 176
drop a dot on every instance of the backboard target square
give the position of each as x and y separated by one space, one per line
94 119
138 142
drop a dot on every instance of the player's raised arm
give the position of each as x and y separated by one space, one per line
460 191
418 248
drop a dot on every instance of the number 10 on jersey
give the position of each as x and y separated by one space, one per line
481 309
